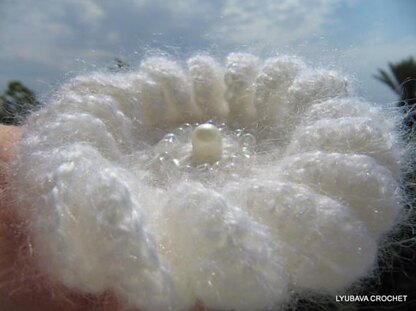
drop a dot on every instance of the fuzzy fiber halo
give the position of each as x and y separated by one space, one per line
306 187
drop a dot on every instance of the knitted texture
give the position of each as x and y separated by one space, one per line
305 191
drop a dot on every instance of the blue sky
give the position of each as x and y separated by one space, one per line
44 42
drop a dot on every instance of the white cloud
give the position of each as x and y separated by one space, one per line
43 33
56 33
70 35
267 21
91 12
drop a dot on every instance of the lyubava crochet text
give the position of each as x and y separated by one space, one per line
234 185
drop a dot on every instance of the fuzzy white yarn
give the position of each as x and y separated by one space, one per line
299 201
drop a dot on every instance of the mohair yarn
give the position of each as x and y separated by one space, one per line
306 190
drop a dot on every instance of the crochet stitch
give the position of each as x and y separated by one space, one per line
306 186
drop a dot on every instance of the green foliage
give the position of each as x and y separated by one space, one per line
16 103
402 80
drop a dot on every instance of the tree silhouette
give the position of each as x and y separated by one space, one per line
400 276
16 103
402 80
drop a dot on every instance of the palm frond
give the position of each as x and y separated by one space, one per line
385 78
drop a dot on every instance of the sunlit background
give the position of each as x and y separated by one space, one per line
43 42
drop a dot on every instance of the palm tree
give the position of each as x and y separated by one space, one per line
401 273
402 80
